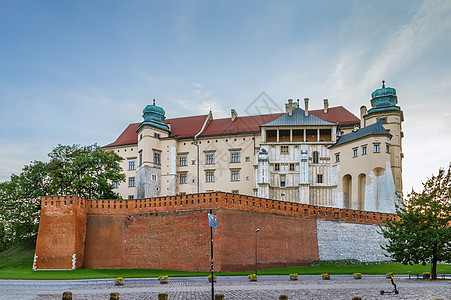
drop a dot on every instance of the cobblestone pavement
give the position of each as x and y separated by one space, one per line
340 288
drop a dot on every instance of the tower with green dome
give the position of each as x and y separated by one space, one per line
150 133
384 109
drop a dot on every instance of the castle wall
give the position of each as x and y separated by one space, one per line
61 234
173 233
342 240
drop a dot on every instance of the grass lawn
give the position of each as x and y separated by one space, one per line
16 263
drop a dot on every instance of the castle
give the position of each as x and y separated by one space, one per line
315 183
326 157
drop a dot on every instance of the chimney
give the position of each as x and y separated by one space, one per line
362 114
326 105
234 115
306 107
289 107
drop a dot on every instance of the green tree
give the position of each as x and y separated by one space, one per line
422 234
84 171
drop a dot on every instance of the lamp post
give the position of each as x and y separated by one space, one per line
257 230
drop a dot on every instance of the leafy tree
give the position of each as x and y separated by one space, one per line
422 234
84 171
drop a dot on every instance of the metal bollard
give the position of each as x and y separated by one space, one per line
219 296
283 297
162 296
114 296
67 296
356 298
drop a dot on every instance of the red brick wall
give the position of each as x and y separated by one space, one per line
281 242
172 232
61 233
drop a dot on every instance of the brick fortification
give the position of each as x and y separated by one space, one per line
173 233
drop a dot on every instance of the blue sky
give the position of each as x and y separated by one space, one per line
78 72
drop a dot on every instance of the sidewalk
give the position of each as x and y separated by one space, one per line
268 287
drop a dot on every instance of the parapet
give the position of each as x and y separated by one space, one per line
215 200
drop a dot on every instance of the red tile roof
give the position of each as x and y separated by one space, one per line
338 114
188 127
241 125
128 137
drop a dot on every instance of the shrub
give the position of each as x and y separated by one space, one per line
252 277
209 277
325 276
294 276
357 275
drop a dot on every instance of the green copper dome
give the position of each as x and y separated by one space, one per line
384 97
154 115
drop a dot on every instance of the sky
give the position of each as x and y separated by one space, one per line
78 72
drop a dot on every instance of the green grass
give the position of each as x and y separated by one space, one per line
16 263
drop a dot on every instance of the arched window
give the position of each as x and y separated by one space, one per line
315 157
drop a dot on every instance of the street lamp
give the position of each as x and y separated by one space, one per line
257 230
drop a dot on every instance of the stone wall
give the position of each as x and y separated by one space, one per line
343 240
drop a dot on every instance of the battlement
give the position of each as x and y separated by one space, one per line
216 200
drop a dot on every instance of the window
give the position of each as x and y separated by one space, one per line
337 157
383 120
276 167
210 176
282 180
315 157
284 149
183 160
131 181
234 157
235 175
131 197
235 191
182 178
140 136
291 167
364 150
319 178
387 148
131 164
209 158
356 152
248 159
193 162
156 158
377 149
156 135
140 157
115 184
154 177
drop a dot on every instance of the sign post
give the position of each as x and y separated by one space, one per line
212 223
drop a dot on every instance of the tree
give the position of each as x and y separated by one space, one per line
84 171
422 234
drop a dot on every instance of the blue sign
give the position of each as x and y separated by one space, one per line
212 221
